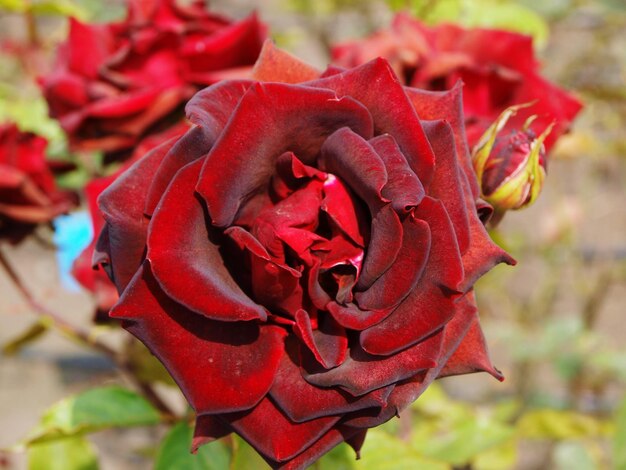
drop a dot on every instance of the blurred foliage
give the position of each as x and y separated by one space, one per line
32 333
44 7
501 14
70 453
83 10
575 412
91 411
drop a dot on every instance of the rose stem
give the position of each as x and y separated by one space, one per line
31 26
89 339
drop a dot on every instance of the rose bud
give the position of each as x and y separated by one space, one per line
302 260
114 83
498 69
28 193
510 166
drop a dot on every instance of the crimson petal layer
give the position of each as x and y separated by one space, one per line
402 277
122 242
273 435
214 363
448 106
409 390
447 185
268 122
313 402
431 304
361 372
403 187
399 120
187 264
471 355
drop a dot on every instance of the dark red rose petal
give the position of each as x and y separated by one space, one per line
447 185
483 254
88 47
350 157
328 343
244 158
212 107
301 401
208 429
216 364
403 188
354 437
361 372
230 46
343 208
448 106
354 318
432 303
399 120
180 152
274 285
187 264
471 355
383 248
402 277
122 243
273 435
408 391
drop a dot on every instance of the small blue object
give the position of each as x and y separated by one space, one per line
72 234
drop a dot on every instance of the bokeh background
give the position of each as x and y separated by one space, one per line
555 324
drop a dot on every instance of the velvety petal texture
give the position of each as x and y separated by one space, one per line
95 280
115 83
302 259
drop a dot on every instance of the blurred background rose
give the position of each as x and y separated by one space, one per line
554 322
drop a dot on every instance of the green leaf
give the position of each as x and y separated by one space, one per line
572 455
72 453
15 6
619 439
98 11
245 457
502 457
383 451
559 425
465 441
32 333
59 8
92 411
340 458
175 454
147 367
501 14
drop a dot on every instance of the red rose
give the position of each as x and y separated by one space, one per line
28 193
498 70
114 82
302 260
96 281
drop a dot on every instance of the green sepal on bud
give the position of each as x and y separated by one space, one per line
510 167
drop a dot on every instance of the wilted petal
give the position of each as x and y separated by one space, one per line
276 65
